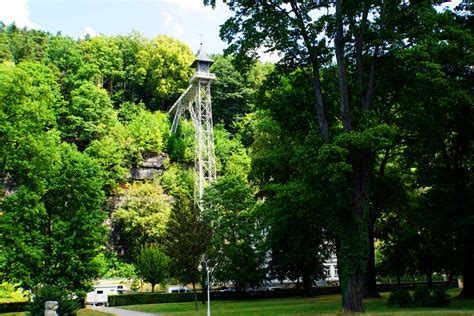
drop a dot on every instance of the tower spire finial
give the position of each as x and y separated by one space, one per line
200 39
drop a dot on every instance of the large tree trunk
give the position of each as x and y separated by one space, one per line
429 278
353 271
352 275
307 284
354 245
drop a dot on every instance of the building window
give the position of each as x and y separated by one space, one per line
327 271
335 271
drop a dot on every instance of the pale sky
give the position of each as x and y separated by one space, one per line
186 20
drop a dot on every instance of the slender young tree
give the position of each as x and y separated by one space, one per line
187 239
153 265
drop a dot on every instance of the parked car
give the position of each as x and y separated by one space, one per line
273 288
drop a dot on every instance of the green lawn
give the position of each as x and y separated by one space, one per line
324 305
89 312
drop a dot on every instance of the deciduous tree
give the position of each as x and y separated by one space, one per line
187 239
153 265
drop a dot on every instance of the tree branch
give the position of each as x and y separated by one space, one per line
339 46
313 58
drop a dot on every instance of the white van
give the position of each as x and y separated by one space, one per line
177 289
97 298
101 293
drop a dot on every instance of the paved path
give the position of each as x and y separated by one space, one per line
122 312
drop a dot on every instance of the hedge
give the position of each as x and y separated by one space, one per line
13 307
386 287
158 298
150 298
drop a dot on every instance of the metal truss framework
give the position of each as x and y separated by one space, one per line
196 99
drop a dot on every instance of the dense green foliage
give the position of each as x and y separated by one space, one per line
422 296
434 297
362 133
73 124
400 298
236 240
187 238
9 293
142 219
51 204
364 145
66 305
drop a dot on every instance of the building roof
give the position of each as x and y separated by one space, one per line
201 56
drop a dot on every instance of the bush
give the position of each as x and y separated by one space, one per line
438 298
435 297
400 297
12 293
67 306
13 307
135 284
421 296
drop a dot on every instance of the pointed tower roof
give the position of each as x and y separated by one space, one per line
201 56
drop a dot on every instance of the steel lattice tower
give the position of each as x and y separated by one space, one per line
196 99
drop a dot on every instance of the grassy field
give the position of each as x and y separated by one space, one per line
88 312
324 305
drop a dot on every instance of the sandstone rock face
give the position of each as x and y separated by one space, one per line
154 162
138 174
151 166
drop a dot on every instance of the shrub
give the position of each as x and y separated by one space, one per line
135 284
13 307
12 293
438 298
400 297
67 306
435 297
421 295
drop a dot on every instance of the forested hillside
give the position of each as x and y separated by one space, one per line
363 146
81 119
